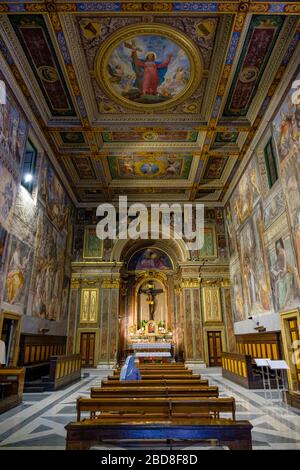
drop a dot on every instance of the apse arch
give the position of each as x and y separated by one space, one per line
176 249
150 258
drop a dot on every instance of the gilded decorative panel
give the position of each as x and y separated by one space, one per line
212 304
89 306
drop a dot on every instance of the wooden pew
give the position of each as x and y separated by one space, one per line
85 434
166 406
153 383
178 372
160 376
170 365
108 392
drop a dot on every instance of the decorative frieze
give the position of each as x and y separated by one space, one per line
111 283
190 283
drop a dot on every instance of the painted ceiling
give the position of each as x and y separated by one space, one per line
149 99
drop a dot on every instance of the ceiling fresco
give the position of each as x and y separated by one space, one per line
154 100
148 134
150 166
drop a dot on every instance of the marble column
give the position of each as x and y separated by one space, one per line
109 323
193 339
228 316
73 316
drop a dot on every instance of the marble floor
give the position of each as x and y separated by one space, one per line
38 423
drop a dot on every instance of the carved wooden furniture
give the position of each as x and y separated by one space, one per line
234 434
165 371
160 382
166 406
35 353
161 376
11 387
64 370
241 369
178 391
260 345
293 398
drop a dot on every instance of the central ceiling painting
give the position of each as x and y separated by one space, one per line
149 66
140 166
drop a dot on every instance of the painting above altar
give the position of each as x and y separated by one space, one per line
149 259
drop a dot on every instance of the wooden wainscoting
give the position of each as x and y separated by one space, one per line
260 345
36 349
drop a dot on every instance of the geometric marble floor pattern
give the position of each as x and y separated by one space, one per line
38 423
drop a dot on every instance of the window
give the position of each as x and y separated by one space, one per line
271 166
29 163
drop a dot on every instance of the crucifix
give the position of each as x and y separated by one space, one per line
132 46
151 293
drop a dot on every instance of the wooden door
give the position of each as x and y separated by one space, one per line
214 348
294 336
87 349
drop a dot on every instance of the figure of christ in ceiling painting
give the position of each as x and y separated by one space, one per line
149 73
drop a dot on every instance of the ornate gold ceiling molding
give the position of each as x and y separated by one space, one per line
217 64
148 8
21 62
273 65
79 62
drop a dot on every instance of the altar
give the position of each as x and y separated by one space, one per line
152 343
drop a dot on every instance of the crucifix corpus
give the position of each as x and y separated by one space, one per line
151 293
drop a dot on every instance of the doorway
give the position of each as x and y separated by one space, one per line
214 340
10 330
87 349
295 340
290 330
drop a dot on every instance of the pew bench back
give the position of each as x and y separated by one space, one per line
165 406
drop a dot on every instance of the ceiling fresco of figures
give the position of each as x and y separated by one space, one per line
154 100
151 166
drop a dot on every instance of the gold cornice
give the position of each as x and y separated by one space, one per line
225 283
75 283
190 283
109 283
153 275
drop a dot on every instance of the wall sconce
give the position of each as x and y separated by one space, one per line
259 328
43 330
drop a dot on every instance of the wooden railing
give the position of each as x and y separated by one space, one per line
64 370
237 367
241 368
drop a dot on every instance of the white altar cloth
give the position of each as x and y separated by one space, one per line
151 346
153 354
